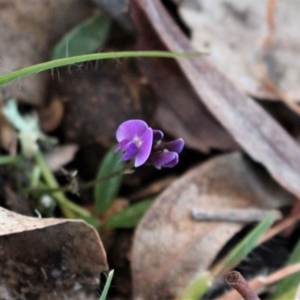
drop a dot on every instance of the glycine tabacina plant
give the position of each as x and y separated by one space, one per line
143 145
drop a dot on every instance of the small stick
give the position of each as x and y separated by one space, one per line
239 283
243 215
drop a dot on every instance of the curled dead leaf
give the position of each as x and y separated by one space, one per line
57 252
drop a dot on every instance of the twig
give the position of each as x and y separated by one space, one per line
239 283
243 215
284 224
258 284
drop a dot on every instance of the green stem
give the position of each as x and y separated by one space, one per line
86 185
68 207
9 160
88 57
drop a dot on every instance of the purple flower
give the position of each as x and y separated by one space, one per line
166 154
144 145
135 139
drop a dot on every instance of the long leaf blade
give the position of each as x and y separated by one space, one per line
130 216
89 57
106 191
107 285
287 288
240 251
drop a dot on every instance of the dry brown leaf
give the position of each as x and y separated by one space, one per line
170 248
180 112
257 133
56 251
28 31
235 33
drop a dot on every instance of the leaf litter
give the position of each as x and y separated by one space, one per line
191 99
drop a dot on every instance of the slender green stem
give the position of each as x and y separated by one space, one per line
88 57
9 160
86 185
68 207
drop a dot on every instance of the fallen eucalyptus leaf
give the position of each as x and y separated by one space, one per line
174 248
219 27
252 128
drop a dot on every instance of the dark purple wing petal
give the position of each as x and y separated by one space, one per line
157 135
175 146
163 158
131 151
130 129
172 163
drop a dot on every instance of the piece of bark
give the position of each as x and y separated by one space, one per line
256 132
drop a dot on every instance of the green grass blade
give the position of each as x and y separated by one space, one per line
107 285
201 284
240 251
197 288
106 191
87 37
88 57
287 288
130 216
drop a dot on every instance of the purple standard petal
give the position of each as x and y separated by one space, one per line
162 158
157 135
175 146
131 129
121 145
172 163
131 151
145 148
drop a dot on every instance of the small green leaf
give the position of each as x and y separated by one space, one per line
287 288
130 216
107 285
86 38
240 251
106 191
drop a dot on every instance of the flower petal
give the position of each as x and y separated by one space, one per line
131 151
145 148
163 158
157 135
172 163
130 129
121 145
175 146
